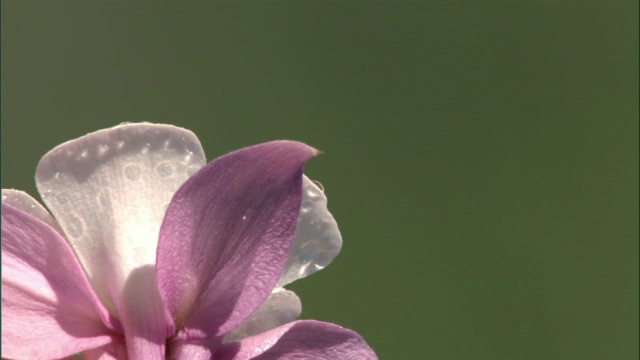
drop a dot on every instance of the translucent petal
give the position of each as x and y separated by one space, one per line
317 240
109 191
23 201
281 307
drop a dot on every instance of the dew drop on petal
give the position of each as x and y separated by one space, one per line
104 199
132 172
75 226
319 185
102 150
164 169
62 198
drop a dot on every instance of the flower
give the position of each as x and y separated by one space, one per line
151 254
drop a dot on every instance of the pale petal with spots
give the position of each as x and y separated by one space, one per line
109 191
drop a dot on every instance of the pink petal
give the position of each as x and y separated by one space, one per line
300 340
281 307
48 307
192 350
227 235
143 316
113 351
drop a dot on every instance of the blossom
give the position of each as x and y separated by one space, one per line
148 253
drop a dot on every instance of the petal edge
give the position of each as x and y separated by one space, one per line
305 339
227 235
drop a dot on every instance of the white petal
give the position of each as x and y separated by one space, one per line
23 201
109 191
281 307
318 240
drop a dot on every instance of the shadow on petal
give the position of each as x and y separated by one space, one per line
143 317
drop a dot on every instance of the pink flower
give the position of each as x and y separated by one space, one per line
151 254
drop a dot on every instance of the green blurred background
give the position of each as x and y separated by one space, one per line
481 157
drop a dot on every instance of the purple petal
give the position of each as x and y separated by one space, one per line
227 235
300 340
48 307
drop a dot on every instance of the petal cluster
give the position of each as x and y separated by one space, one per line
153 254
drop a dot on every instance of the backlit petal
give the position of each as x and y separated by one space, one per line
109 191
317 241
227 235
48 307
300 340
281 307
23 201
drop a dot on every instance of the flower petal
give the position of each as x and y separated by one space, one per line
23 201
43 284
143 316
227 235
300 340
115 350
317 241
281 307
108 190
191 350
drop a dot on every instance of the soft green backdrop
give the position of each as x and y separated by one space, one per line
481 157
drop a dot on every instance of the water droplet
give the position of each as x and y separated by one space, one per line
164 169
62 198
74 227
102 150
319 185
84 153
104 199
132 172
